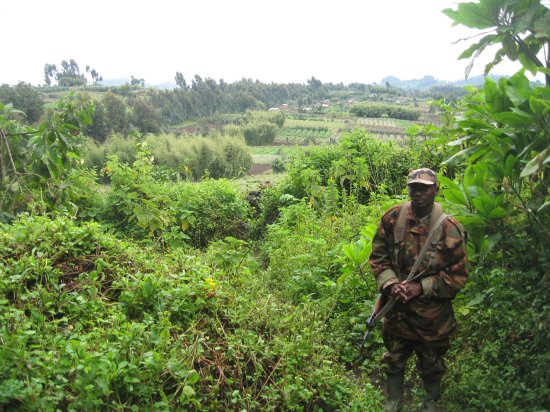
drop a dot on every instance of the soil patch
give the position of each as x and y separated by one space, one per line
258 169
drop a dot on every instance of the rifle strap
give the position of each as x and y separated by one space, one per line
401 226
431 237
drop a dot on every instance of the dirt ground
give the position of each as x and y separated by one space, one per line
258 169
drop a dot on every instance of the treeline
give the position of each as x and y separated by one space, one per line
24 97
153 111
385 110
132 107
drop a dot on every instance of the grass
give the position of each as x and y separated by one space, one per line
274 150
187 123
331 125
263 159
252 182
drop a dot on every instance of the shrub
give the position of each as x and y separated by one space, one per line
259 133
212 209
170 214
385 110
89 322
360 165
178 157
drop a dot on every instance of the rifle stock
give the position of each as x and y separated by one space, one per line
380 302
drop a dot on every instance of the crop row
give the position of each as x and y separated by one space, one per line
302 133
377 122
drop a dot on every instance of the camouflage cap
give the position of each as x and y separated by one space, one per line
424 176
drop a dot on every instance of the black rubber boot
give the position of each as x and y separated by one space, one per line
433 393
395 384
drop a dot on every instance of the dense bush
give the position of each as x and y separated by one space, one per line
98 323
153 211
144 116
95 154
385 110
213 209
23 97
218 157
177 157
35 161
360 165
259 133
502 348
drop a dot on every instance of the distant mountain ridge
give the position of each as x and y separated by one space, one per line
122 82
424 83
429 81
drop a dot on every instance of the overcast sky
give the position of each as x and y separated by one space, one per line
278 41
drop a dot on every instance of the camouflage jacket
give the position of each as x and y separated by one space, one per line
442 273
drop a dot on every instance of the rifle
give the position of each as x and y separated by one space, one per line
383 305
371 321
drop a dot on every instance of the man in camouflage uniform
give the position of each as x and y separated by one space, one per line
422 319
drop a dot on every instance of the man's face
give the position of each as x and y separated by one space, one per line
422 195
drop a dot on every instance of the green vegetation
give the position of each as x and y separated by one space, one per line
132 278
177 158
385 110
259 134
137 329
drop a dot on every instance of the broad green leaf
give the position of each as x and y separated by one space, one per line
144 217
461 154
451 184
511 166
528 18
461 140
528 63
463 310
538 106
484 205
478 47
455 196
477 299
544 206
193 377
534 164
472 220
480 153
497 213
473 15
489 242
517 118
474 176
368 231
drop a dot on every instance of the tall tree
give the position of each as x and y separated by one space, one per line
137 82
49 73
94 74
24 97
70 74
180 80
115 113
145 117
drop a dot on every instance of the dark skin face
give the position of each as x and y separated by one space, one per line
422 197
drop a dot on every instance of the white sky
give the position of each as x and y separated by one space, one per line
281 41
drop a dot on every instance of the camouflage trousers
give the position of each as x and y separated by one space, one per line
430 362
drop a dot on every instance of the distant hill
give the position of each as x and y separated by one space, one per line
425 83
114 82
166 85
428 82
122 82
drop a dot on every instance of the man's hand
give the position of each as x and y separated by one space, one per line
405 290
